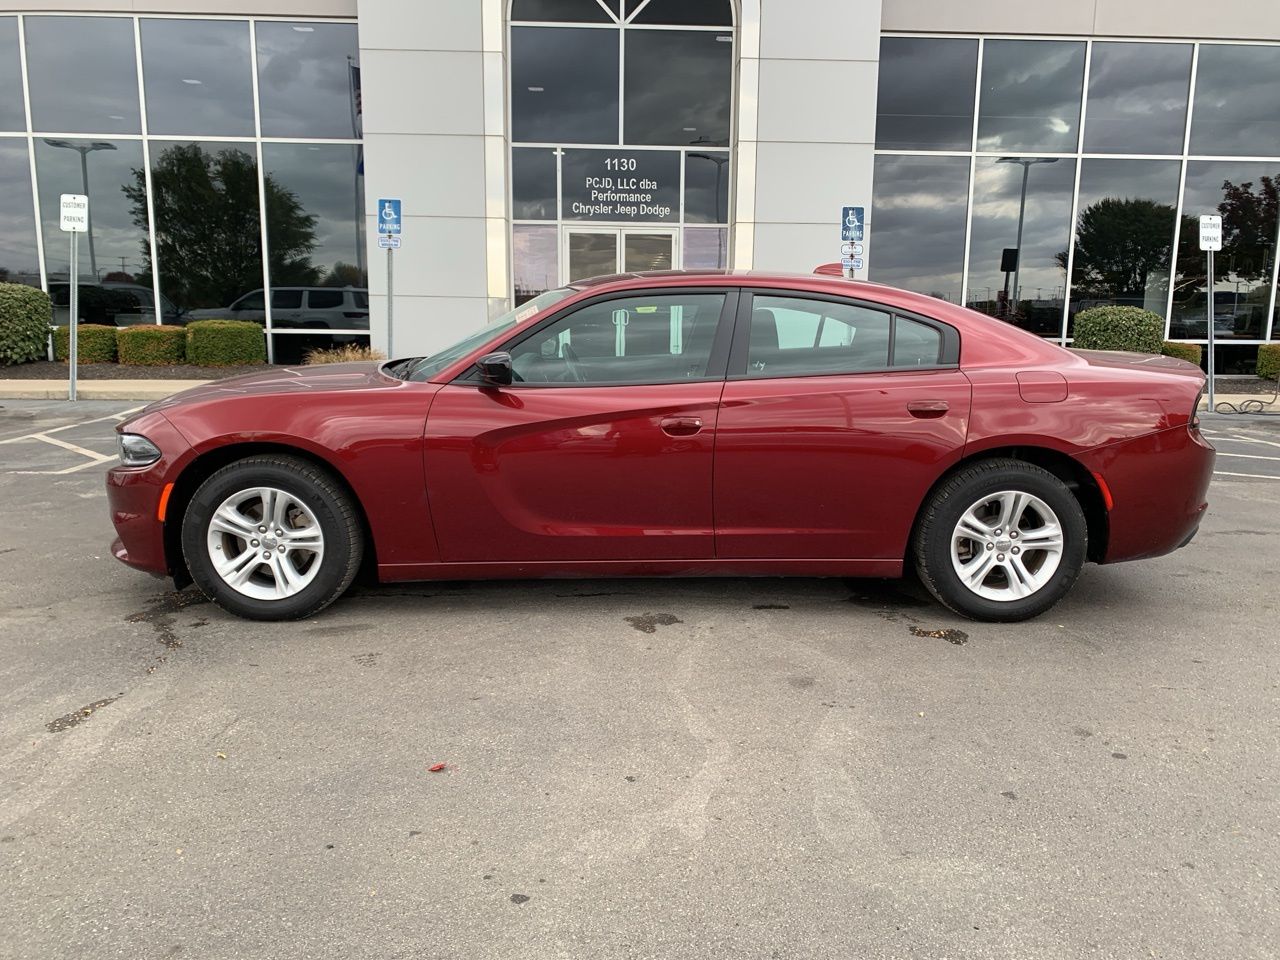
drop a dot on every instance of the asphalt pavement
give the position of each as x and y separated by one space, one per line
701 768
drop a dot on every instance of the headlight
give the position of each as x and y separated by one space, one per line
136 450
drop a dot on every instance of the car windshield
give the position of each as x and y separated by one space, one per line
428 367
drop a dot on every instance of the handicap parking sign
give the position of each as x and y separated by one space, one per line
389 216
851 224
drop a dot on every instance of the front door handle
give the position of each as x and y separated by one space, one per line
681 426
927 408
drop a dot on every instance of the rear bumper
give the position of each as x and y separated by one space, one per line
1159 484
133 495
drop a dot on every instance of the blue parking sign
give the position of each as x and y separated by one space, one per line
389 216
851 224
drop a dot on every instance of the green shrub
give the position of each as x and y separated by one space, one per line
24 323
1183 351
1119 328
95 343
225 343
151 345
1269 361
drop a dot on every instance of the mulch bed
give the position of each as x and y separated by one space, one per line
51 370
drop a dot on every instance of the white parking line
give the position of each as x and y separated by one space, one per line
58 442
57 473
1255 476
1247 456
71 426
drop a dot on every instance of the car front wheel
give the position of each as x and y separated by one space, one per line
1002 540
272 538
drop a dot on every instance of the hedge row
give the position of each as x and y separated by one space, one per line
24 323
209 343
1269 361
1119 328
1190 352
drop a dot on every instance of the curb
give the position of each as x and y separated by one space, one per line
95 389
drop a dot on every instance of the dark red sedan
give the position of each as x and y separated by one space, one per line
676 424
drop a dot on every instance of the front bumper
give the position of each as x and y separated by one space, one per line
134 493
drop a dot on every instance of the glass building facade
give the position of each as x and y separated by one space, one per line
1032 178
222 158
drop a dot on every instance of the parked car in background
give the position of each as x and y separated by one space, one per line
304 308
112 304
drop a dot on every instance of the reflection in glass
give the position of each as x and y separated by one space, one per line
207 231
83 74
582 11
315 235
18 261
706 187
1246 195
706 248
114 248
677 87
1030 95
592 255
1236 110
1137 97
1124 234
197 77
12 115
685 13
309 79
535 261
564 85
646 251
533 184
925 93
918 217
291 349
1029 198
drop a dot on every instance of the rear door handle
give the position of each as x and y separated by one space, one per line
927 408
681 426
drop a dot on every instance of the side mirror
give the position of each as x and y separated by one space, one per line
495 369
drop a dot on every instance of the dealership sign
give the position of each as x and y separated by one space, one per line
631 186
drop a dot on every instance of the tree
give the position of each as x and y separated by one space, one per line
1120 245
346 275
208 242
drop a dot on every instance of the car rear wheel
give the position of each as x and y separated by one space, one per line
272 538
1001 540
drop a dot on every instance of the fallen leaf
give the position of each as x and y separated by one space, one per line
220 755
436 768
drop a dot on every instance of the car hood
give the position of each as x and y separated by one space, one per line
276 381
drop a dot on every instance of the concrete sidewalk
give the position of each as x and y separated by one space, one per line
95 389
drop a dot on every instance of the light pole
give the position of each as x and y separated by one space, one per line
719 160
84 149
1022 211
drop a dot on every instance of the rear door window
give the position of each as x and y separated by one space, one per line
798 337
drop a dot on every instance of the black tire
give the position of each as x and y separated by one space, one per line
931 543
320 492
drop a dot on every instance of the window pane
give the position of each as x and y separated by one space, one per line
18 261
533 184
711 13
925 93
535 261
315 227
915 344
706 248
678 87
646 251
1124 234
1035 287
115 249
1030 95
919 213
207 228
1245 194
706 187
291 349
1236 111
592 255
83 74
642 339
197 77
583 11
323 300
564 85
285 299
1137 97
793 337
309 79
12 115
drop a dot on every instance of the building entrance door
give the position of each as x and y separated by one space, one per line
597 251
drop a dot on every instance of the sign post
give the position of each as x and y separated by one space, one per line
74 219
852 234
389 226
1210 240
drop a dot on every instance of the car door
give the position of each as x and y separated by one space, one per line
837 417
602 447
